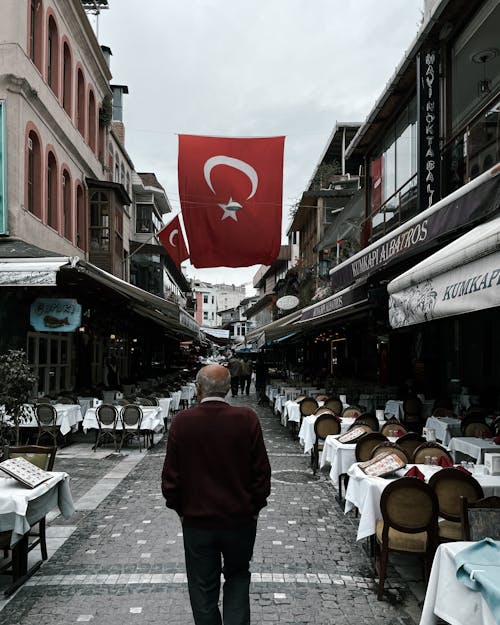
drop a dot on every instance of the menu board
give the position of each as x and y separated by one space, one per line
351 436
384 463
25 472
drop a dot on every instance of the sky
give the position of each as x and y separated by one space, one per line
243 68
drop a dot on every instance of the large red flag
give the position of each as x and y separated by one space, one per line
231 198
172 240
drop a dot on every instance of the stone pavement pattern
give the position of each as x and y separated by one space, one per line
122 560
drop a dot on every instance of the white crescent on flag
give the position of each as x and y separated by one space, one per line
171 237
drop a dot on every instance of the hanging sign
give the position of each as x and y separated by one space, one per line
54 314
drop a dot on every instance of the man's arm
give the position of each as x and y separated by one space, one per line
170 477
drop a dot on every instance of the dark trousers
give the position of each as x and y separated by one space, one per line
235 383
245 383
209 552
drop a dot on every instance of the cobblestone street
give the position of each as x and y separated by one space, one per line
120 558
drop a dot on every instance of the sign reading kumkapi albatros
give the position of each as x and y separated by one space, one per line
472 287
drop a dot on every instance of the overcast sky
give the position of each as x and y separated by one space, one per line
250 68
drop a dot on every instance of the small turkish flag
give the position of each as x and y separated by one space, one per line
172 240
231 192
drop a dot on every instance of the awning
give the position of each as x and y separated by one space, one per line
272 330
334 305
31 271
462 277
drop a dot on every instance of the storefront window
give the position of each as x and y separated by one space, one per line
99 221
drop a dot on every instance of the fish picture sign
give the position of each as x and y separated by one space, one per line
55 314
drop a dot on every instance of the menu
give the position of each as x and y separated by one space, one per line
384 463
25 472
351 436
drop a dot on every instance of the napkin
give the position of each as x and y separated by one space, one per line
444 462
463 469
399 433
415 472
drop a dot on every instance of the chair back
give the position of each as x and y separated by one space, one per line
368 418
411 506
153 400
410 441
46 414
449 485
366 444
393 448
308 406
481 518
42 457
44 400
107 415
334 404
434 450
393 425
131 416
323 398
477 429
352 412
324 410
325 425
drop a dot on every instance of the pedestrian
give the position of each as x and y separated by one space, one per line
261 372
217 477
234 366
246 376
111 376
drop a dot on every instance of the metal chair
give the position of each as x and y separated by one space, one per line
107 420
46 418
481 518
131 417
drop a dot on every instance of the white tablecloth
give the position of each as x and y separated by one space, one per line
394 408
68 417
363 492
20 507
449 599
152 419
307 437
340 456
176 399
88 402
472 446
165 403
445 427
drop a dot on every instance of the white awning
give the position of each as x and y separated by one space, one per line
31 271
462 277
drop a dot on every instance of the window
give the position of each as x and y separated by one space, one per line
144 221
205 316
81 238
92 122
36 32
99 221
80 103
52 190
67 79
49 357
53 56
34 175
66 206
205 299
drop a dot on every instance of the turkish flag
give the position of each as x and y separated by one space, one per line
173 241
231 192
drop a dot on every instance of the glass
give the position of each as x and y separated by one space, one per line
427 460
434 461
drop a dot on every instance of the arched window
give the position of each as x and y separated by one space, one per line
53 56
35 43
51 190
67 79
92 122
81 227
34 174
80 103
66 206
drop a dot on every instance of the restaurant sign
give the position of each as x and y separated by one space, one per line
55 314
335 303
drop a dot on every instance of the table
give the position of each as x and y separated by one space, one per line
472 446
363 492
88 402
152 419
21 508
445 427
449 599
307 437
394 408
176 399
68 417
165 403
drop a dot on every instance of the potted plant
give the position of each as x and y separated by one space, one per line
15 390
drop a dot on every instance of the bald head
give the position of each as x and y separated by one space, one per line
213 381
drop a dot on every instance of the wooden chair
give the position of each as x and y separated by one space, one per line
366 444
308 406
334 403
409 523
478 429
325 410
410 441
393 425
351 412
449 485
392 447
481 518
434 450
324 425
43 458
368 418
107 420
131 417
46 418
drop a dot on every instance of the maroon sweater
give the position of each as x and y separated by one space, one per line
216 471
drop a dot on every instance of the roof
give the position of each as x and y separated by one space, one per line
150 180
15 248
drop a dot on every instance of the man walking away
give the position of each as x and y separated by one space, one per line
217 477
234 366
246 376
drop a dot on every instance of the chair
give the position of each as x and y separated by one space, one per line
449 485
392 447
325 410
410 441
46 418
131 416
368 418
107 420
366 444
308 406
412 411
409 523
334 403
43 458
324 425
434 450
481 518
323 398
153 400
478 429
351 412
391 426
44 400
